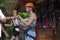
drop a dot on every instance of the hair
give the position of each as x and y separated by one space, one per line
33 9
17 11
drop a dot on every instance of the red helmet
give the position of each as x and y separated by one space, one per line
29 4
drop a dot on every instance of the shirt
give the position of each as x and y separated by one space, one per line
1 18
16 22
1 15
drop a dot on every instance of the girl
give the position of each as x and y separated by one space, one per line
16 24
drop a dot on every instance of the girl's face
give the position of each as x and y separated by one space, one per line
15 14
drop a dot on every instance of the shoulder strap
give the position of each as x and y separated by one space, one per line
12 22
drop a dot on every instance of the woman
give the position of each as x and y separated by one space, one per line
16 24
3 20
2 28
31 23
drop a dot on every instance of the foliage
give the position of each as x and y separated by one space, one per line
3 5
24 14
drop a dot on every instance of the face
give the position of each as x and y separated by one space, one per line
15 14
27 9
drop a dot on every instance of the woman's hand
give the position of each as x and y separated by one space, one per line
4 20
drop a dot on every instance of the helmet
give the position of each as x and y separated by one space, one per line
29 4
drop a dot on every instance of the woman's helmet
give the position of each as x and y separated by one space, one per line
29 4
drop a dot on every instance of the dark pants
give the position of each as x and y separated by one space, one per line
15 32
0 38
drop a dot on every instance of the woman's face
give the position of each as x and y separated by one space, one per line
27 9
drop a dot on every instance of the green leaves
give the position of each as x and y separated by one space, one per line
23 14
3 4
